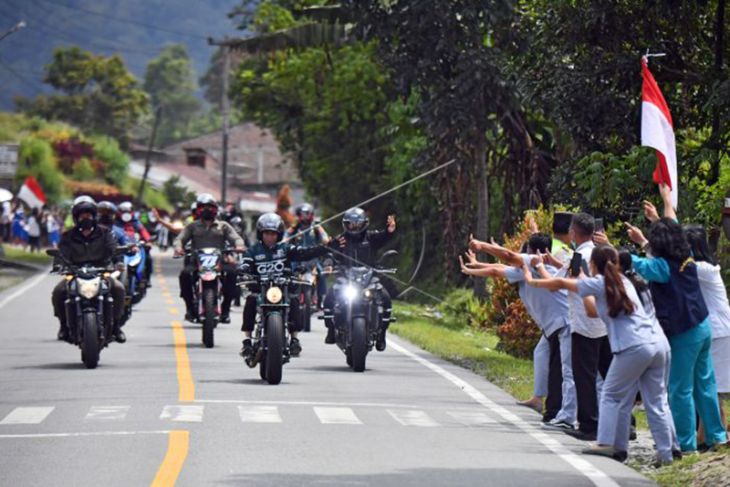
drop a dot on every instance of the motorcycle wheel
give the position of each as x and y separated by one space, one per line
90 343
209 303
359 349
134 289
306 311
274 348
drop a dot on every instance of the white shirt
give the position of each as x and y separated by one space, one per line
32 227
715 294
579 320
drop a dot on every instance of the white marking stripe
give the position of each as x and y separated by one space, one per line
23 289
259 414
190 414
596 476
107 413
87 433
307 403
336 416
27 415
413 418
472 418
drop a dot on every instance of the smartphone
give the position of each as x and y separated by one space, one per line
598 225
575 263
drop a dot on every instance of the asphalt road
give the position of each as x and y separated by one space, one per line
162 410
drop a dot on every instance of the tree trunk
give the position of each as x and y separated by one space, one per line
482 226
716 122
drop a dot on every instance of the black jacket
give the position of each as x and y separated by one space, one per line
360 251
263 260
96 250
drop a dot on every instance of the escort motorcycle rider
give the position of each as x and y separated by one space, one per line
358 247
306 235
270 255
130 224
204 232
89 243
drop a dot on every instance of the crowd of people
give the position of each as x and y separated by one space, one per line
31 228
621 328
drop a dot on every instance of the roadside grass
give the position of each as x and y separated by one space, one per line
10 281
464 346
18 254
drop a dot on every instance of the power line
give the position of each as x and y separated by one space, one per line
127 21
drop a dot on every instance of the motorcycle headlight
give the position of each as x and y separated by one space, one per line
274 295
89 288
368 293
350 293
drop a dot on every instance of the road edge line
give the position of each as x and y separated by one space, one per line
26 287
593 473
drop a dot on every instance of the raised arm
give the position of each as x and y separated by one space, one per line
496 250
666 193
553 284
484 270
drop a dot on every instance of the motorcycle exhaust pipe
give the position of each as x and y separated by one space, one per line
254 361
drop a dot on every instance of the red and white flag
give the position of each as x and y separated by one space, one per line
32 193
657 131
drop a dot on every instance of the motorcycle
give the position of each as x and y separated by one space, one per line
135 276
206 289
89 307
270 336
358 310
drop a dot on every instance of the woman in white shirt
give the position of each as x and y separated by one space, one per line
715 295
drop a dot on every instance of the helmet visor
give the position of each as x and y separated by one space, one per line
355 226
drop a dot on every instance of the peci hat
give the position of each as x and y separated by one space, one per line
561 222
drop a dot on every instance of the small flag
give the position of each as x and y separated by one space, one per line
32 193
657 131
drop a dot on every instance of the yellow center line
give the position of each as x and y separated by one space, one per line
177 452
169 301
184 374
173 311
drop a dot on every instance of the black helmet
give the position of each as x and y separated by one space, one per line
355 221
270 222
83 204
107 206
107 211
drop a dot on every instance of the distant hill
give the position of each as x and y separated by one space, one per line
135 29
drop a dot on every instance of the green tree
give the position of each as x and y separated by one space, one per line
36 158
176 193
98 94
170 82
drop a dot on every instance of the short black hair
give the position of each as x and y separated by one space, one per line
561 222
583 224
697 239
539 242
667 239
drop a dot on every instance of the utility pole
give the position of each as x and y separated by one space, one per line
225 108
158 113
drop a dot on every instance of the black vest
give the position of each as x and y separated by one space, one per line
679 303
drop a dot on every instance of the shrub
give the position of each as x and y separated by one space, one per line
461 308
36 158
83 170
116 162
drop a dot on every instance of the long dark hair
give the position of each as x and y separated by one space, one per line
668 240
697 239
627 268
605 258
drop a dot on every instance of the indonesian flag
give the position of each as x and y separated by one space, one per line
32 193
657 131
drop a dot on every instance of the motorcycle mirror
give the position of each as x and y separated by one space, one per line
53 252
387 255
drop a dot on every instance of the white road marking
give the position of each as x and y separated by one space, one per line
27 415
595 475
107 413
413 418
87 433
190 414
259 414
307 403
336 416
472 418
25 288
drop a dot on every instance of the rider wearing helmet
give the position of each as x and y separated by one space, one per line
88 243
357 247
106 211
204 232
270 255
306 234
132 227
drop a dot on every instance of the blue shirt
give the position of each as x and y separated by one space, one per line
653 269
549 309
625 330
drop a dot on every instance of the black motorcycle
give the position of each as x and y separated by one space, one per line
307 296
270 336
89 307
207 289
358 311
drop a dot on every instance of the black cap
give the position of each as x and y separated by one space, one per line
561 222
